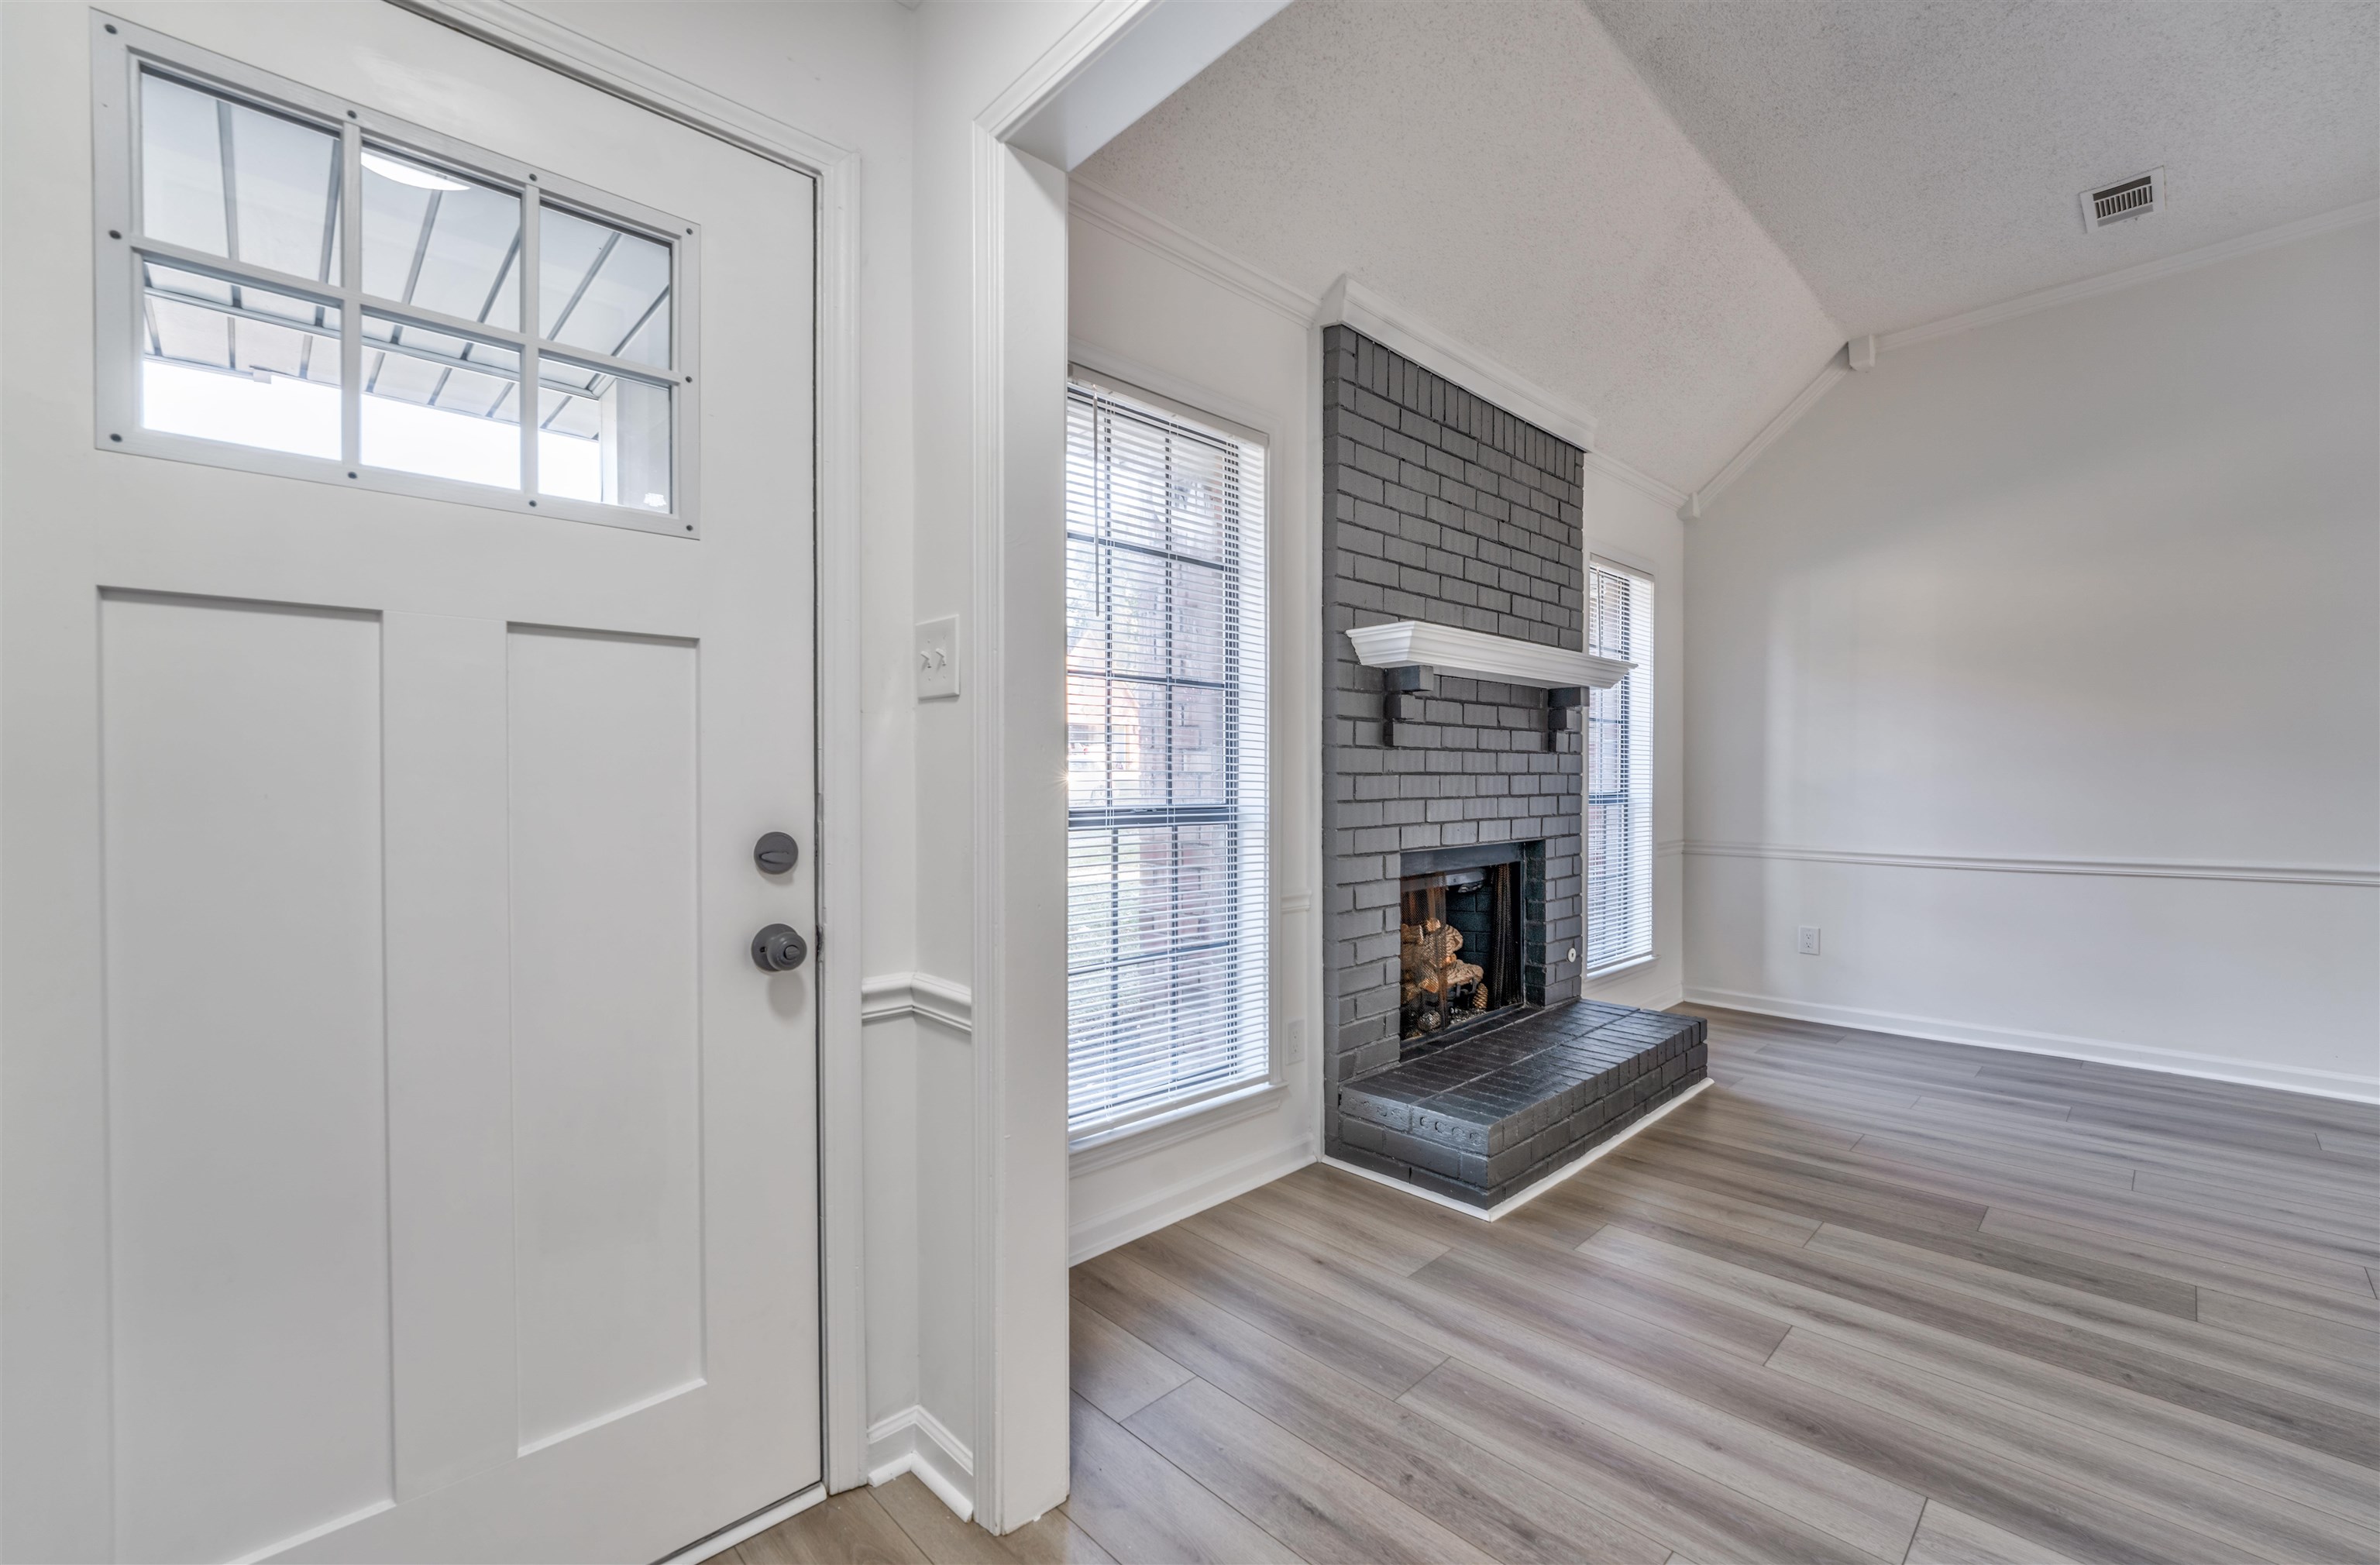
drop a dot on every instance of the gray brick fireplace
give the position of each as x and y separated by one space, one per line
1442 508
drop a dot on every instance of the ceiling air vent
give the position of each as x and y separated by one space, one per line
2136 197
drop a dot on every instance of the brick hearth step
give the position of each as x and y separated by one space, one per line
1485 1117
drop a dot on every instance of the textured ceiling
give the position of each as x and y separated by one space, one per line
1500 170
1921 159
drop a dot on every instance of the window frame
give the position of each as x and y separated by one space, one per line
121 50
1161 1120
1647 663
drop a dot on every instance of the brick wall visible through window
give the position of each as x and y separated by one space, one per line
1166 962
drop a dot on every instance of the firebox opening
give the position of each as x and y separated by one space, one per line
1460 946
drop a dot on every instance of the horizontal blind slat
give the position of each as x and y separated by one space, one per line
1166 957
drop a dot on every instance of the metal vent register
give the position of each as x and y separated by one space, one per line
2136 197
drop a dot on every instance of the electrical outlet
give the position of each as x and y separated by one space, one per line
1292 1040
1809 941
937 658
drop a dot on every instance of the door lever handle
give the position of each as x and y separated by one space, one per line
779 949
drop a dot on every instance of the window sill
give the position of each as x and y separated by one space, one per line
1613 969
1101 1149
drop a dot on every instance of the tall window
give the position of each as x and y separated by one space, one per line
1166 980
1620 769
307 288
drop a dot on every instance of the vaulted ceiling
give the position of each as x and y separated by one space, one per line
1671 212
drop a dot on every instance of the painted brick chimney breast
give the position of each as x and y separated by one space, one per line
1441 507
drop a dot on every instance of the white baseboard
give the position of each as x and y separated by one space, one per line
914 1440
1513 1202
1183 1199
2131 1055
752 1526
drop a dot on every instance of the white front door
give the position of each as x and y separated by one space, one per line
404 1157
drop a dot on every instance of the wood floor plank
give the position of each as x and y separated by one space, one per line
1947 1537
1704 1518
2319 1424
2325 1300
2340 1488
1602 1367
850 1528
1385 1360
1872 1299
2353 1344
1053 1539
1118 1372
2307 1374
1319 1508
1507 1512
2252 1519
1144 1511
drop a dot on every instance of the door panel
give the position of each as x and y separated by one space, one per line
606 1019
404 1158
241 758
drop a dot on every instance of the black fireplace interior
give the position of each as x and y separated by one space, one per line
1461 936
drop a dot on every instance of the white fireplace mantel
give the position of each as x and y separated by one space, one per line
1470 654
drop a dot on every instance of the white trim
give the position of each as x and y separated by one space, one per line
890 995
2151 868
2063 1046
1121 1143
1643 483
1770 432
2131 277
1164 1207
752 1526
1477 655
1350 303
1104 210
1178 394
1514 1203
1844 362
841 1209
914 1440
1625 965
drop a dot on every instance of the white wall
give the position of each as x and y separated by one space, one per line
2097 588
1625 524
1142 317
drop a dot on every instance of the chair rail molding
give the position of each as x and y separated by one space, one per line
888 996
2150 869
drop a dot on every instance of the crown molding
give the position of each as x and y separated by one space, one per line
1105 210
2131 276
2146 868
1700 501
1635 478
1350 303
1867 349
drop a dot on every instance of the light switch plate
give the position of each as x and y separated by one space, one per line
937 658
1809 941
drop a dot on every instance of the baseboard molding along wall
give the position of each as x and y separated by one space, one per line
2101 1052
1183 1199
914 1440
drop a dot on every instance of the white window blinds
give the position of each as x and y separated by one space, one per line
1166 980
1620 769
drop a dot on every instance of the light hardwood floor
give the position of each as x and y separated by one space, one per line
1868 1300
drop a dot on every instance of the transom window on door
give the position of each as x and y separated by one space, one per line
1167 985
1620 769
297 286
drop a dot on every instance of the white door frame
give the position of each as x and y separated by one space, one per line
842 1261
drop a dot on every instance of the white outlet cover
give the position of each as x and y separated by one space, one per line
1808 945
937 658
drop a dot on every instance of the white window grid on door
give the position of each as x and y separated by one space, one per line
122 51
